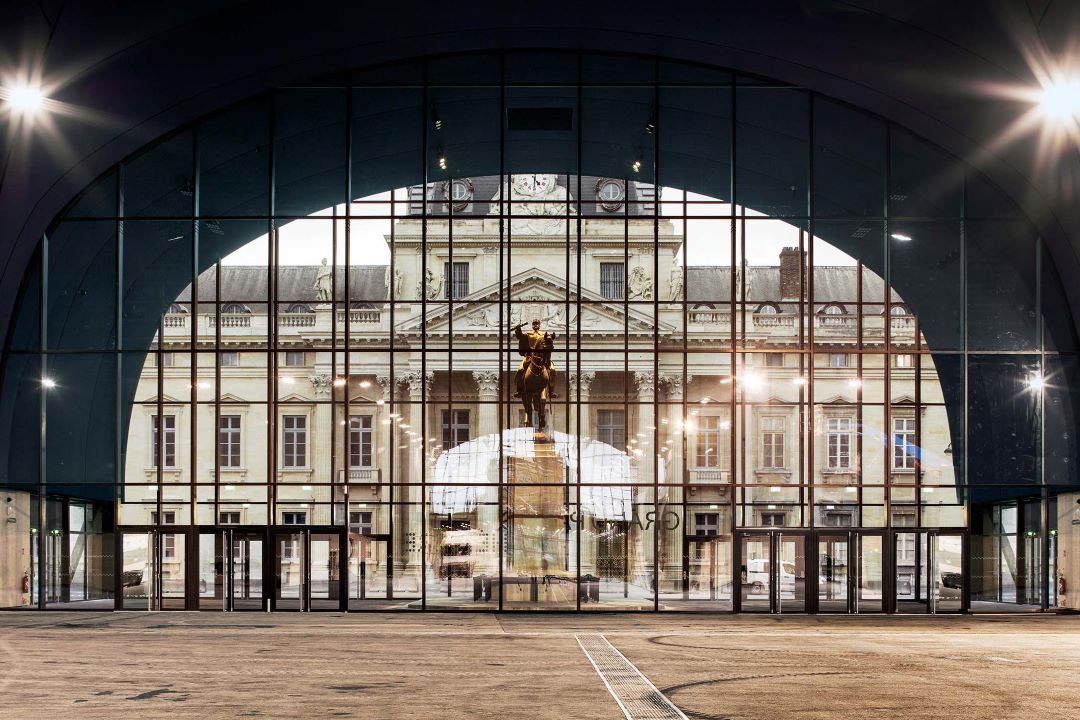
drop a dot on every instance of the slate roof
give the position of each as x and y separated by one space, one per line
705 285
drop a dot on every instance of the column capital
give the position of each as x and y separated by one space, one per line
487 383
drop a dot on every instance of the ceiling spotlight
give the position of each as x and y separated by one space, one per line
442 162
435 119
1036 382
339 382
799 380
650 124
901 237
25 98
48 383
1061 100
636 166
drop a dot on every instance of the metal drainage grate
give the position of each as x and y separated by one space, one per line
638 698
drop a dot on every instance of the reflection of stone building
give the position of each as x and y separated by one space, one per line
694 416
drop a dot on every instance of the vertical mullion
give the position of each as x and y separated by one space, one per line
504 409
578 429
656 338
422 380
193 498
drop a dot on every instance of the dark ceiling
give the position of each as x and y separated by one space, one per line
136 70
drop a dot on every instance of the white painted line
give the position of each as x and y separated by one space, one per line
637 697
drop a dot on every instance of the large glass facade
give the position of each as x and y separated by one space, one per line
800 360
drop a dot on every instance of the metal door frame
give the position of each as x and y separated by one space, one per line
924 568
775 535
306 531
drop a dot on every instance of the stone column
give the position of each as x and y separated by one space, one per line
643 459
487 513
581 383
669 559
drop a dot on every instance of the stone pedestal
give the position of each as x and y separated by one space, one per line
536 509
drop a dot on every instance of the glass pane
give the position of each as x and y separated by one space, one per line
833 568
756 573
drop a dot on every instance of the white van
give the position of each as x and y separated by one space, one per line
757 577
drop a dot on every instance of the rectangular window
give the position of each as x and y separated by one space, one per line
611 428
713 442
903 360
295 358
455 280
294 518
230 517
839 360
229 441
230 359
360 441
772 442
839 443
168 359
455 428
707 523
773 519
168 515
294 441
904 448
168 545
612 280
361 522
163 441
838 519
774 359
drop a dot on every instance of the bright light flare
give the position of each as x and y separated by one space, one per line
1036 383
25 99
1061 100
48 383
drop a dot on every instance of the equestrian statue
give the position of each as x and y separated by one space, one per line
534 382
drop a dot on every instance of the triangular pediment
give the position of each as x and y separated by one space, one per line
535 293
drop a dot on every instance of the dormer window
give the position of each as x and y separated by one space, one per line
767 309
235 309
300 308
610 194
833 315
459 192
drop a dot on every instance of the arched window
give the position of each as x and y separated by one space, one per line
834 314
767 309
898 310
177 309
300 308
235 309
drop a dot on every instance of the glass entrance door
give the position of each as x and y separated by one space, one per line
772 572
324 571
231 569
307 569
834 587
153 570
929 571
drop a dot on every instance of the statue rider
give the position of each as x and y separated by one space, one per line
539 343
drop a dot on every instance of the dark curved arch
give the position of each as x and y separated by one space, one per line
789 140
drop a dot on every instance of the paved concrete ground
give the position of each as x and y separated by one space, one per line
187 665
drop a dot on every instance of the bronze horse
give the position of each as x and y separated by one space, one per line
534 390
535 377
